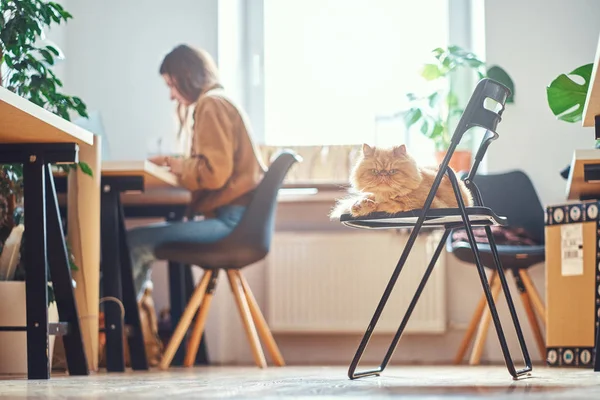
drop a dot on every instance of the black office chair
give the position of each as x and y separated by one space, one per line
484 110
249 243
513 196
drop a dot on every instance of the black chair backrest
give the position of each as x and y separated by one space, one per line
483 113
512 195
256 227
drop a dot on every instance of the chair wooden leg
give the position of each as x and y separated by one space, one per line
470 333
484 325
185 321
261 323
196 335
535 326
240 299
538 304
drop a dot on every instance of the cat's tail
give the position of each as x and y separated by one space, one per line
343 206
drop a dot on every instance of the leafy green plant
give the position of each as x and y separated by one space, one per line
434 112
566 97
26 69
27 64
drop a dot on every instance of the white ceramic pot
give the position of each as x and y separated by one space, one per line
13 345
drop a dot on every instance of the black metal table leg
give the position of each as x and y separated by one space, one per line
111 279
60 272
36 279
135 339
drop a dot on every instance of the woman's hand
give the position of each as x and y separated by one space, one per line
176 165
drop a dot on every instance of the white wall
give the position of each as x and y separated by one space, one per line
535 41
114 49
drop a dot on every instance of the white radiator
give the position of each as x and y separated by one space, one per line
332 282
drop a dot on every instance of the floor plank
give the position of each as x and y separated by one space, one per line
314 382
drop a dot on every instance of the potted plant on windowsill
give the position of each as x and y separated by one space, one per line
435 113
26 64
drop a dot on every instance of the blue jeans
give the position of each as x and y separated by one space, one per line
144 239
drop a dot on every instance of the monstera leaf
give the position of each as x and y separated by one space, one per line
566 97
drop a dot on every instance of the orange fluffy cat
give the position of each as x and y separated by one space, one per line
390 180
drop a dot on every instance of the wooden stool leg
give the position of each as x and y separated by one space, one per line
185 321
470 333
240 299
537 302
484 325
261 324
196 336
535 326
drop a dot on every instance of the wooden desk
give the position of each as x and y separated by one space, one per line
119 178
147 190
36 138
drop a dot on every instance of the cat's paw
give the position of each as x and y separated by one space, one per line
363 207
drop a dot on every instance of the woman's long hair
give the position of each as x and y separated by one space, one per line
193 71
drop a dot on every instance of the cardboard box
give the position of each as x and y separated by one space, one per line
572 283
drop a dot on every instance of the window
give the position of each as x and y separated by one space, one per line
335 71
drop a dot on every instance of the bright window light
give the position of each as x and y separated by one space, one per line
336 70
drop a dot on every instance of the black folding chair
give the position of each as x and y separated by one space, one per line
483 110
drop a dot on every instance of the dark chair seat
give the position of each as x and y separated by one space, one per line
522 209
250 240
218 255
437 217
519 257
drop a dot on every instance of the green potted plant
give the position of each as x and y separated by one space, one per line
436 112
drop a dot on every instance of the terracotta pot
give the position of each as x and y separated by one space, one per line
460 161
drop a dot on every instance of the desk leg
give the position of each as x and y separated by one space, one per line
36 279
62 283
111 280
135 340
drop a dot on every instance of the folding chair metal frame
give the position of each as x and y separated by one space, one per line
475 115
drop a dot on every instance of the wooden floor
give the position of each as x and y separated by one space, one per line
314 382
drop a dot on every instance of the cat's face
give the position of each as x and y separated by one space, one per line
385 170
